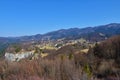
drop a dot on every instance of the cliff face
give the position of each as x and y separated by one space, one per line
17 57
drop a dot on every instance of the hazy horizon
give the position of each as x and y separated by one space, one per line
28 17
58 29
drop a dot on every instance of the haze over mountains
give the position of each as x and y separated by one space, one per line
71 51
96 33
89 33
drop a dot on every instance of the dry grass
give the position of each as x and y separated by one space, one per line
41 69
84 50
44 55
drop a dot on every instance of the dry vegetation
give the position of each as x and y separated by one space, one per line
100 63
42 69
104 59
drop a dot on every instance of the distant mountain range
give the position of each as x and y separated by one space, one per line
101 32
96 33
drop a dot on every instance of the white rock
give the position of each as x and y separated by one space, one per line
17 57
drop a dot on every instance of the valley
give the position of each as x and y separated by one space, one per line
73 54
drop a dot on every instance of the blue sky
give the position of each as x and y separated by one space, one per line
29 17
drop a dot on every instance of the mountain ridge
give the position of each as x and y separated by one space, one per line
97 33
71 32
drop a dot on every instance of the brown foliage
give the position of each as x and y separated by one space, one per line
105 57
41 69
109 49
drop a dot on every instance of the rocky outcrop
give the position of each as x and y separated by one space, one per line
18 56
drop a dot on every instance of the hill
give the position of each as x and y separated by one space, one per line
97 33
101 32
101 62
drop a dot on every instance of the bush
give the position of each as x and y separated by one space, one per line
42 68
